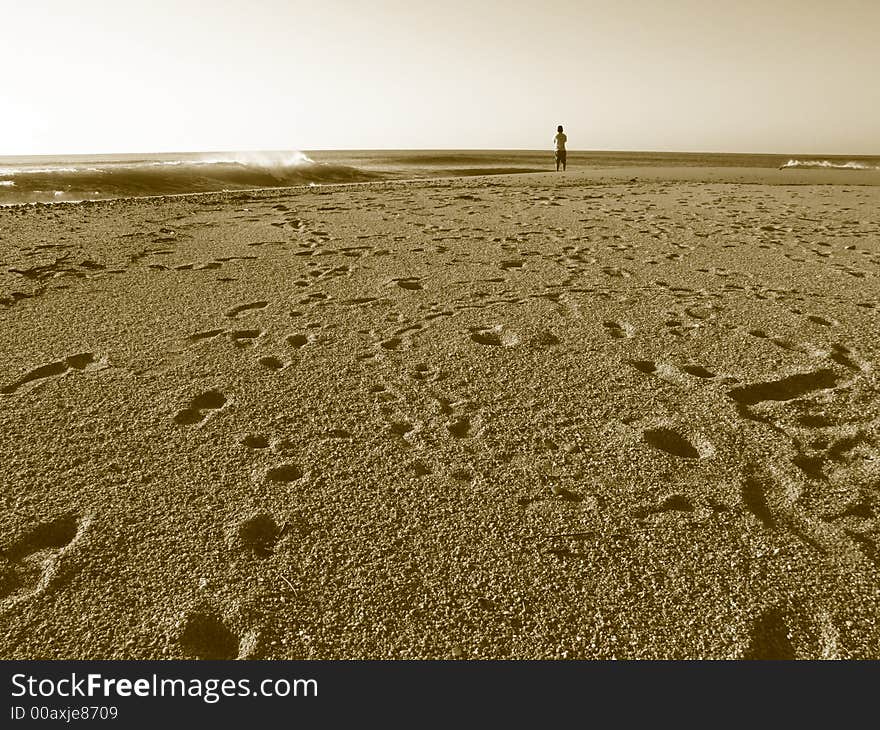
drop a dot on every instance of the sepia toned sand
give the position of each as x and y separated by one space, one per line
626 414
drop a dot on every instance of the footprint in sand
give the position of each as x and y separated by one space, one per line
420 469
255 441
615 271
206 335
382 394
244 338
200 408
672 442
784 389
770 638
698 371
202 634
235 311
754 492
673 503
256 534
619 330
284 474
648 367
270 362
425 373
843 355
494 336
460 428
81 362
29 564
392 343
410 284
297 340
815 319
400 427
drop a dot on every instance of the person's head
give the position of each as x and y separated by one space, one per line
559 128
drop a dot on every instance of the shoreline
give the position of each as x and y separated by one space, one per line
731 175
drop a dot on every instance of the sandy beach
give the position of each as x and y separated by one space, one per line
612 414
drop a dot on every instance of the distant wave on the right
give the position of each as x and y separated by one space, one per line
832 164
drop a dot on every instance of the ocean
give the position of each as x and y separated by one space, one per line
73 178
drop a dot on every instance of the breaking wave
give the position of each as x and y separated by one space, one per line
831 164
186 174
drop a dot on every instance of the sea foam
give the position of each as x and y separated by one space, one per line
831 164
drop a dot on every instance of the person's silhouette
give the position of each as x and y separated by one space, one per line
560 140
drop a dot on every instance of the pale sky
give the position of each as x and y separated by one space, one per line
88 76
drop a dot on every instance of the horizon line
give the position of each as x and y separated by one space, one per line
445 149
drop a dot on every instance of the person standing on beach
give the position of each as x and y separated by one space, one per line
559 140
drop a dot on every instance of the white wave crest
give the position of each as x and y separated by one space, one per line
292 158
245 159
35 170
7 183
830 164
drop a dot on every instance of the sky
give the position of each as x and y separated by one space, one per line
104 76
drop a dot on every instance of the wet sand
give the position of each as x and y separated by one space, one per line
626 414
